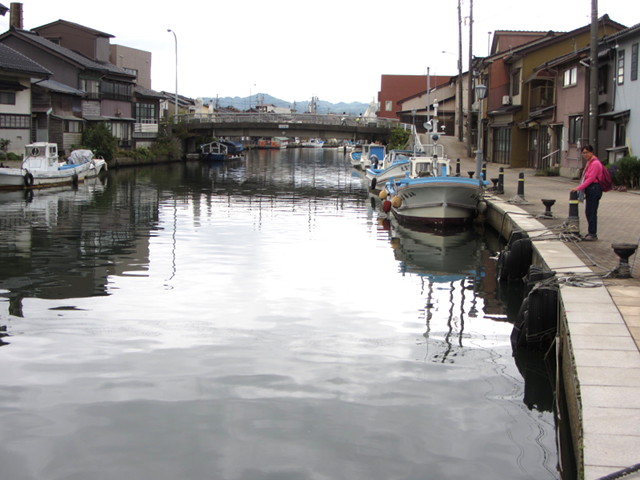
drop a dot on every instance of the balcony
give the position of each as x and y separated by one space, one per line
145 130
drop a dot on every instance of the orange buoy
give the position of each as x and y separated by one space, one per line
396 201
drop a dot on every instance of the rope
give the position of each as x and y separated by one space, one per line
622 473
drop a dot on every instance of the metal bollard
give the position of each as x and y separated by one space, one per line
457 167
500 189
624 251
548 203
572 225
471 172
521 184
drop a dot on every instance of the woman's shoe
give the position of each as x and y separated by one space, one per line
590 238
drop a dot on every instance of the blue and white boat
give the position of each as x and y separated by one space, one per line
429 194
220 150
41 167
367 155
395 164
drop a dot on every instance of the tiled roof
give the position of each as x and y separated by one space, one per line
59 87
75 25
70 54
14 61
145 92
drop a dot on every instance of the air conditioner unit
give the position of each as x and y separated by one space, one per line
506 100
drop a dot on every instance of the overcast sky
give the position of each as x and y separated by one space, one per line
335 49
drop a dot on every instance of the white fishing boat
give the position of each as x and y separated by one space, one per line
395 164
42 168
313 143
429 194
367 155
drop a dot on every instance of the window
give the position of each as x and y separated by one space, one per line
117 91
120 130
575 129
620 75
8 98
634 62
570 77
515 83
15 121
502 145
620 134
388 105
146 113
91 87
71 126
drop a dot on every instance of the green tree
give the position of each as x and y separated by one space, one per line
398 139
98 138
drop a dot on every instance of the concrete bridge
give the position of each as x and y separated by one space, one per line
302 125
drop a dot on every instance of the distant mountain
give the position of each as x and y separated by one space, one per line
242 103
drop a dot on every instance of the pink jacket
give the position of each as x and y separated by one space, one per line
592 173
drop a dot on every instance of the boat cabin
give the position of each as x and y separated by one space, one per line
40 156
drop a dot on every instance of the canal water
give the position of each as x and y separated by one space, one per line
256 320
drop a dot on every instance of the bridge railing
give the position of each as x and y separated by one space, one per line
291 118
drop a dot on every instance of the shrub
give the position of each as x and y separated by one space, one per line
166 145
626 172
398 139
548 172
98 138
139 154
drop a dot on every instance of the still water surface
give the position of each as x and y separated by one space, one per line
253 320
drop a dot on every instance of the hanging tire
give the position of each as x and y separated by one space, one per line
374 182
514 263
28 179
501 271
74 180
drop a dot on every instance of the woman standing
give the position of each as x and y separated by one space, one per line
592 190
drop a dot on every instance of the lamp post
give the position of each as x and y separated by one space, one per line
175 38
481 91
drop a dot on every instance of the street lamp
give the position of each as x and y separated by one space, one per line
481 92
175 38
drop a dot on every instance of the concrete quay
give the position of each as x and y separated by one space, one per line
599 315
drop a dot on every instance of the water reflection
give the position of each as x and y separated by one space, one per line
253 320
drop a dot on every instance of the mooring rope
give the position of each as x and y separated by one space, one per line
622 473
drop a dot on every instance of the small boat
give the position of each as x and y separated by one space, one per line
313 143
220 150
395 164
42 168
429 194
367 155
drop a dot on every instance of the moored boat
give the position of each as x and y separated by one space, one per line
395 164
367 155
313 143
429 194
220 150
42 168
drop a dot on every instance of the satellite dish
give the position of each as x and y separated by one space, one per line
428 126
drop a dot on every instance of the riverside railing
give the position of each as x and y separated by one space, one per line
291 118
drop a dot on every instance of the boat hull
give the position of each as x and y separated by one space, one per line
17 178
437 200
377 178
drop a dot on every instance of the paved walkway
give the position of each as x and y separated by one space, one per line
604 321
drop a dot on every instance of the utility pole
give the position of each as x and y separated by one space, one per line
460 99
593 78
470 79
